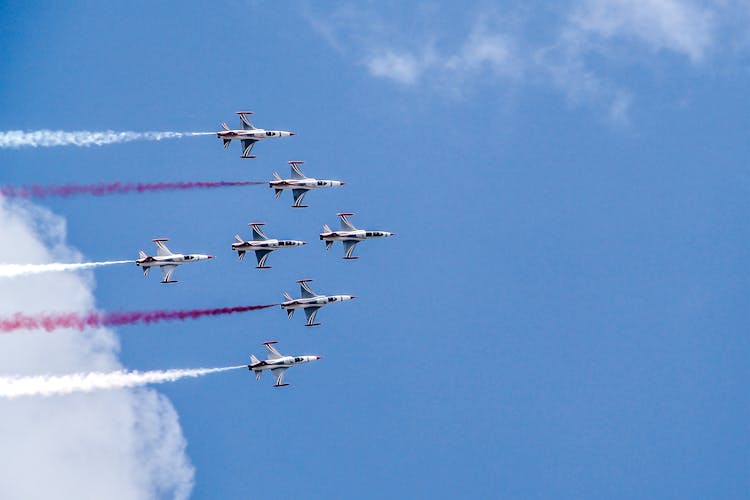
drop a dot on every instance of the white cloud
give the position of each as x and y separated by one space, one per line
122 444
402 68
579 50
675 25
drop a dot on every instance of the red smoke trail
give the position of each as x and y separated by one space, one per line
50 322
103 189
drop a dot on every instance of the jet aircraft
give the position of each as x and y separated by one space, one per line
166 260
261 245
299 183
349 235
277 363
248 135
310 302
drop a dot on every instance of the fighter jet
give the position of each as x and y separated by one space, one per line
310 302
349 235
249 135
277 363
166 260
261 245
299 184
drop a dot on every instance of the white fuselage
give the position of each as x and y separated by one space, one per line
318 300
282 362
307 183
270 244
356 235
170 260
256 134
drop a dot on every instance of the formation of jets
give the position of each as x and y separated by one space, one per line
308 301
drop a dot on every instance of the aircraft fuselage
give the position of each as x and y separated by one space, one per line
317 301
254 134
282 362
308 183
270 244
356 235
170 260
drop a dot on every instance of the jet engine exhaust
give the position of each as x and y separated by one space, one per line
13 270
54 321
16 139
51 385
105 189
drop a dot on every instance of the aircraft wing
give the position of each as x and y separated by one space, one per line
345 224
305 290
298 195
296 171
257 231
262 255
349 248
311 312
279 374
247 146
167 272
272 352
161 248
246 125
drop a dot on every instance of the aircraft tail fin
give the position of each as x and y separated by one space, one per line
239 238
276 176
142 254
253 359
287 297
326 228
225 126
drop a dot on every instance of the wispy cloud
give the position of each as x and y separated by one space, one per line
678 26
507 50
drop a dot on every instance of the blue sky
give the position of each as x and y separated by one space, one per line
562 312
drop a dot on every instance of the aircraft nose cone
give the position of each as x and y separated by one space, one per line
318 357
342 183
352 297
210 256
292 133
304 243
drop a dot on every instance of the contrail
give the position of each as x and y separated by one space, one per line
11 270
55 321
15 139
50 385
103 189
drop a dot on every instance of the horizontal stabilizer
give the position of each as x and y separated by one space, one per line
253 359
241 254
276 176
142 254
146 270
290 313
281 385
227 142
225 126
278 193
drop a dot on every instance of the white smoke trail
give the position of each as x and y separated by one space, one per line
51 385
12 270
48 138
